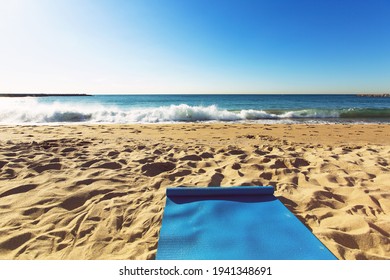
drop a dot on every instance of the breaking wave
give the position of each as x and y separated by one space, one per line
30 110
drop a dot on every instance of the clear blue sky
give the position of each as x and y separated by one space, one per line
195 46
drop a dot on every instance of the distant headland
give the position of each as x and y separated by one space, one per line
374 95
41 94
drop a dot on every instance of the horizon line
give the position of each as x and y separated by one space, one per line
190 93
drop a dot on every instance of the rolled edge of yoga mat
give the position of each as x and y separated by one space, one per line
220 191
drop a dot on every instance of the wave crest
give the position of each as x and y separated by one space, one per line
30 110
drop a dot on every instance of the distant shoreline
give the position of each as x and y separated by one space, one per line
41 94
374 95
86 94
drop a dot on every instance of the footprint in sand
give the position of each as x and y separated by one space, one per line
206 155
278 164
74 202
236 166
236 152
89 163
9 173
260 153
68 150
15 242
2 163
113 154
266 175
153 169
110 165
157 152
192 158
51 166
20 189
299 162
216 180
181 173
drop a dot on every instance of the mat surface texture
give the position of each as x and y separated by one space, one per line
235 223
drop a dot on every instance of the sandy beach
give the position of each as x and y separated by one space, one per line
98 191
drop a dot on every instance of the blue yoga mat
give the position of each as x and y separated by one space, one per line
235 223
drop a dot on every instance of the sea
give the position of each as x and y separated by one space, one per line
184 108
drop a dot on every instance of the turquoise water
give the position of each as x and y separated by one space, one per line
195 108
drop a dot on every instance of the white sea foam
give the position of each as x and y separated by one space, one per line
30 110
311 114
